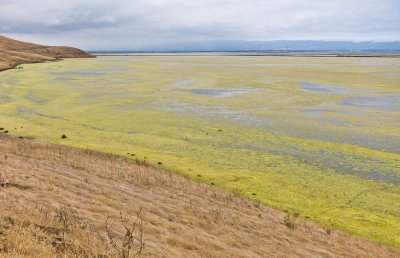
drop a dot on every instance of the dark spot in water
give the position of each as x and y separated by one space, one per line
159 163
52 117
132 133
63 136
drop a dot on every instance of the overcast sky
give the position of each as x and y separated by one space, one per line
130 24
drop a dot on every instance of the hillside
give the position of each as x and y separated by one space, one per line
61 201
13 52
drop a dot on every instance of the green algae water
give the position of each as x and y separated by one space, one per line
313 136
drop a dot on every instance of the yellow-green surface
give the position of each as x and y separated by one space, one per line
314 136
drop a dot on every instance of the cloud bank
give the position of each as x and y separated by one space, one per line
134 24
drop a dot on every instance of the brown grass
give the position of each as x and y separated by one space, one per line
60 201
14 52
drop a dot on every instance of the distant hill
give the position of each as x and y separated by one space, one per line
277 45
312 45
13 52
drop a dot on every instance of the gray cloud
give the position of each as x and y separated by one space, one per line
94 24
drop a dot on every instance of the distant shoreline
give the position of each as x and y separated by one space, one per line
387 54
364 54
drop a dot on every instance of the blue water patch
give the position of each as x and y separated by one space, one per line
29 112
213 92
78 73
382 103
224 93
351 164
321 112
325 88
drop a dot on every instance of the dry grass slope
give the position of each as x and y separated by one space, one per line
61 202
13 52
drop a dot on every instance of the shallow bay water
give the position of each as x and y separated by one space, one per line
310 135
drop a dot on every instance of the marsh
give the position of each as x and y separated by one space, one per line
315 135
